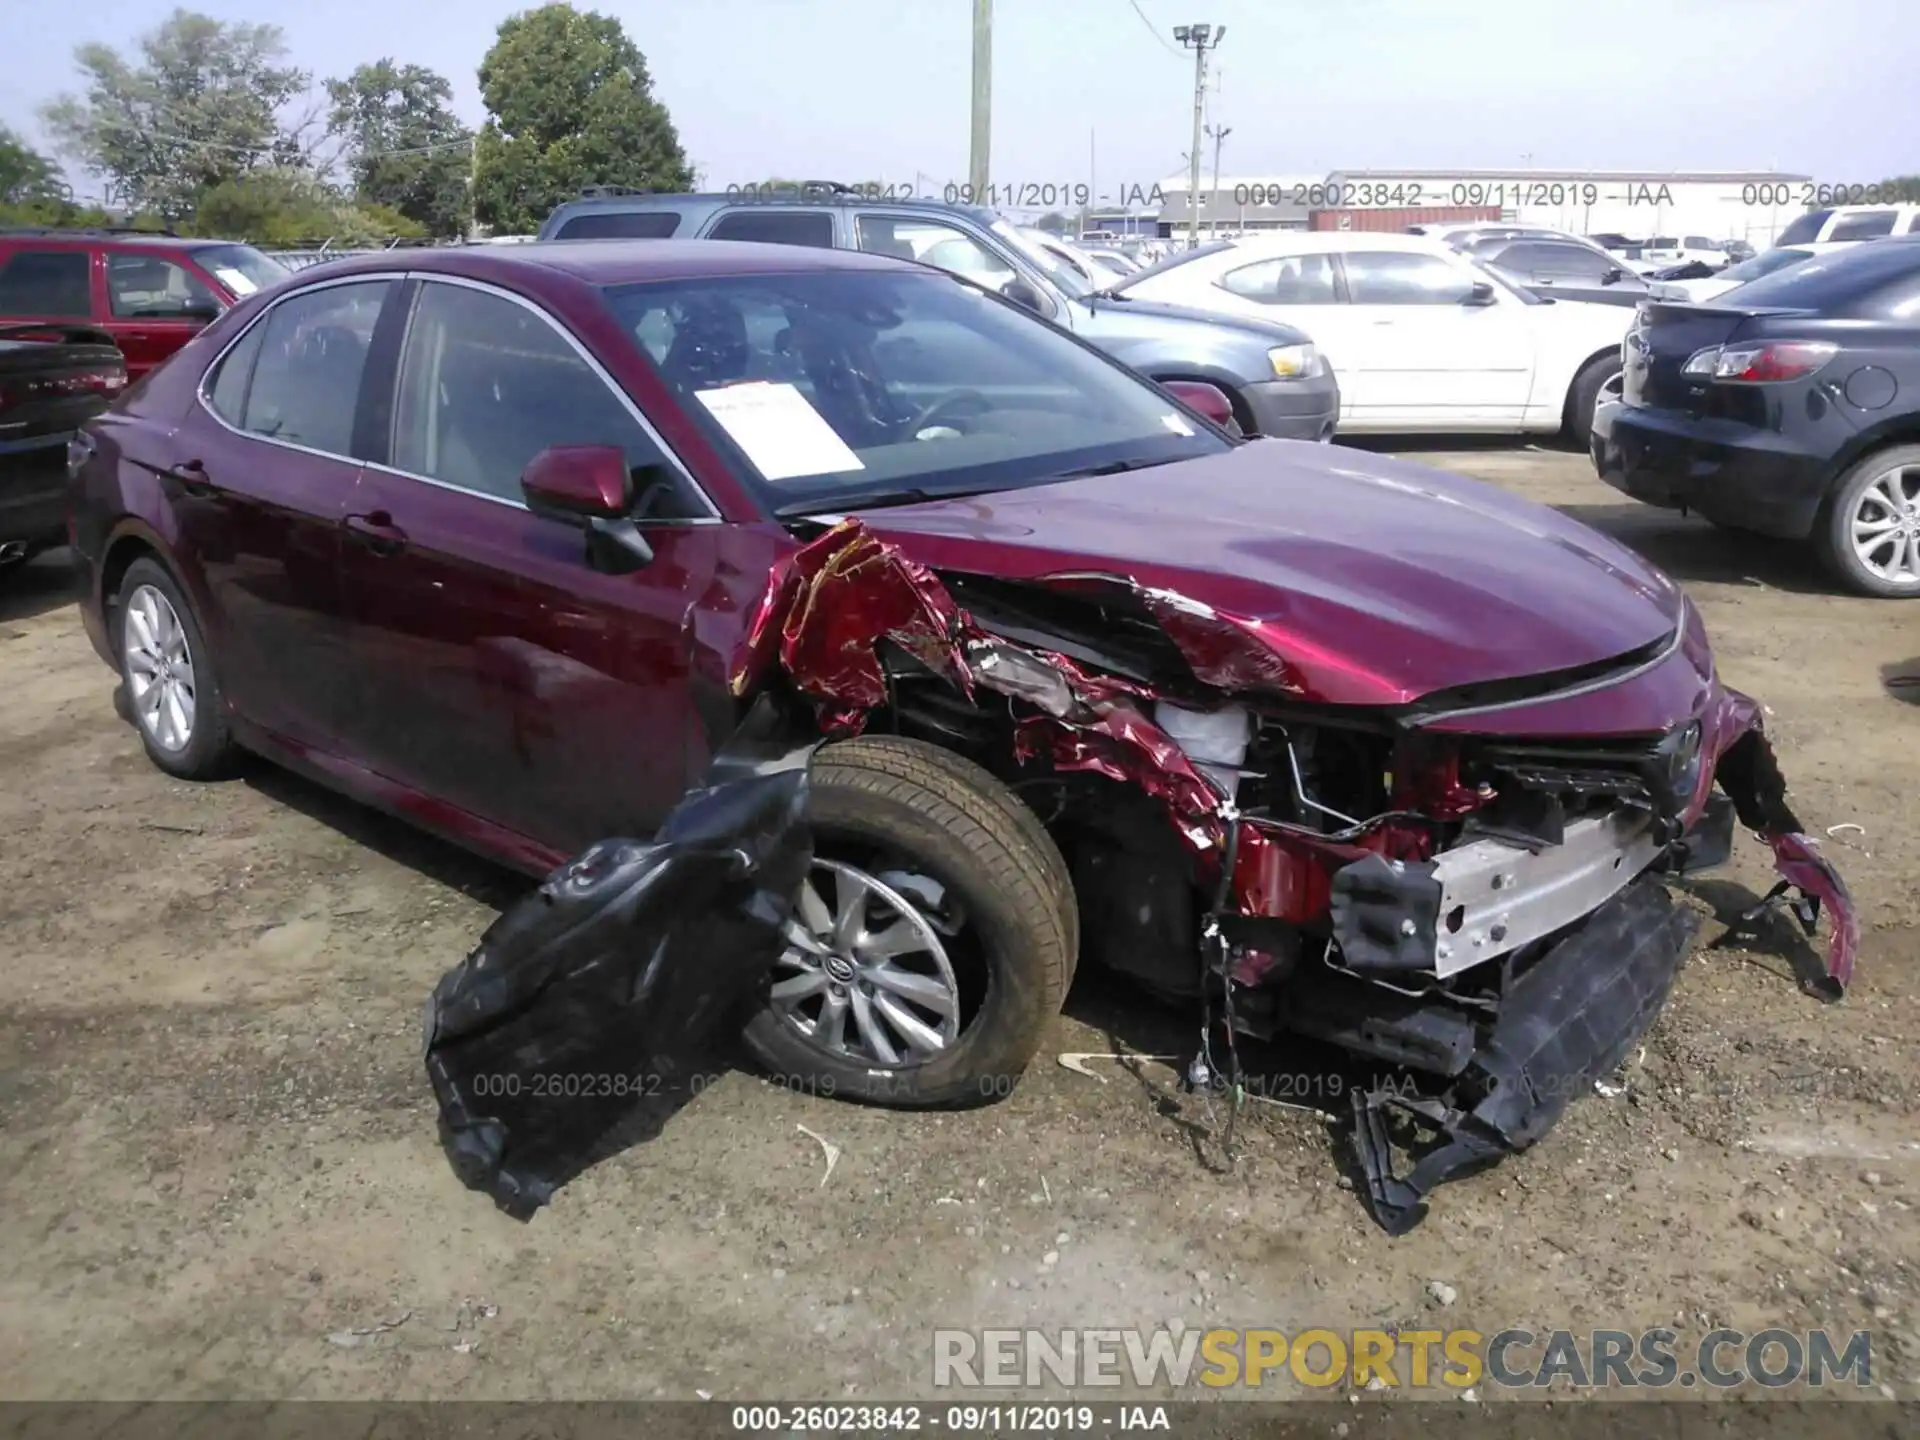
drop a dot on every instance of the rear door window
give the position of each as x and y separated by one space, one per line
1863 225
1285 280
776 227
46 282
621 225
1555 262
227 391
313 353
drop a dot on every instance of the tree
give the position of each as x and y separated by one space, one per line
406 149
569 104
198 105
1053 222
291 207
26 176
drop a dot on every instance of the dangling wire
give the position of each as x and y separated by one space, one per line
1215 954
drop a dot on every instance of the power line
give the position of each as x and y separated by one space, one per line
1151 30
191 142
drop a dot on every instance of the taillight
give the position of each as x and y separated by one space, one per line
1766 364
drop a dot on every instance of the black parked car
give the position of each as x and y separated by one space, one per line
1562 269
53 378
1790 407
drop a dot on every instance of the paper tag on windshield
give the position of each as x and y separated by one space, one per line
1176 424
235 281
781 432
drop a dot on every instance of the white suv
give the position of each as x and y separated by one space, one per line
1850 223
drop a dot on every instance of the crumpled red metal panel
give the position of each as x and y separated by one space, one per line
1222 650
1799 863
836 599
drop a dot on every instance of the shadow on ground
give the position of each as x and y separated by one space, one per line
37 586
1902 680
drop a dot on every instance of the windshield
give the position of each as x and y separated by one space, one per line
1056 267
241 268
1763 264
837 389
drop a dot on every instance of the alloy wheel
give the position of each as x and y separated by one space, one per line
159 669
1612 388
866 976
1885 526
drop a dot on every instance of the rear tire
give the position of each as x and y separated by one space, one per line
883 805
1878 496
172 685
1577 423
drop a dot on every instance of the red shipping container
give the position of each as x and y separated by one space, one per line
1398 220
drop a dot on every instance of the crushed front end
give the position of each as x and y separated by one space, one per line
1464 884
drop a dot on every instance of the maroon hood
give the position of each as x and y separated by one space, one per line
1380 581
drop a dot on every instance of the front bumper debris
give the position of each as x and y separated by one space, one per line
589 1004
1567 1022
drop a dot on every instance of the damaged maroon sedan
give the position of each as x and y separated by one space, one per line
512 543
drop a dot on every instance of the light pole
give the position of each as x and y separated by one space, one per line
1199 39
977 158
1218 134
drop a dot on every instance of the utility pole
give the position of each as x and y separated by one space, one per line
977 158
1218 134
1199 39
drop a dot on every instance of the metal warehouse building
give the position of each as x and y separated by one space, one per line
1750 205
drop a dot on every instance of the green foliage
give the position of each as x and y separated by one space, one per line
26 176
383 108
1053 222
197 106
569 104
289 208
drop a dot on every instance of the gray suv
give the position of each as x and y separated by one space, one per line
1278 382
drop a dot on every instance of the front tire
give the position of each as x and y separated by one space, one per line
166 665
935 940
1868 534
1598 375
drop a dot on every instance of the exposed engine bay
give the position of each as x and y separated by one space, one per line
1476 903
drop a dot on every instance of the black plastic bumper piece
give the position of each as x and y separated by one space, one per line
1709 843
588 1005
1567 1022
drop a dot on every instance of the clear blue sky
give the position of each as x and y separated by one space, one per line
878 89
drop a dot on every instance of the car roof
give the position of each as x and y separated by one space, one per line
620 262
55 237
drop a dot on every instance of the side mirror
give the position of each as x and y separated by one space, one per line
1613 276
1480 294
1021 293
1209 400
590 483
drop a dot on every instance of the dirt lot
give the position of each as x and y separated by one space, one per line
217 1146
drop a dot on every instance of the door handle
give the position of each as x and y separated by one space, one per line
192 478
377 532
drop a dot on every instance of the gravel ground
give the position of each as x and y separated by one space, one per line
218 1158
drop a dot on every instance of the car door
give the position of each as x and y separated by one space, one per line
258 478
1435 354
154 306
497 674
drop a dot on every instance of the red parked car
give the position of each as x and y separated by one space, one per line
509 542
151 293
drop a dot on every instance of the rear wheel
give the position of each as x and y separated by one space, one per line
1869 532
1599 380
933 942
173 691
